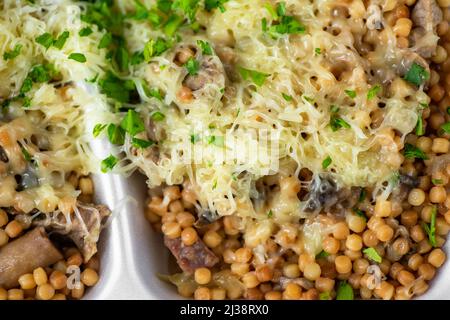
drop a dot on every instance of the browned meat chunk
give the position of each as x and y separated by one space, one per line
426 15
30 251
192 257
84 229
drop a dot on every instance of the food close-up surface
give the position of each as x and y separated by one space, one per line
291 150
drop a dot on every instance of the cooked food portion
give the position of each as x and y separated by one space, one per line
46 193
28 252
304 143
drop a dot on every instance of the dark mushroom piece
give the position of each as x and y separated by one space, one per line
23 255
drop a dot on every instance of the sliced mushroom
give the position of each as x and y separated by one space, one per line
324 194
211 72
23 255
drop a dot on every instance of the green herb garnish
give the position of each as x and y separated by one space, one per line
412 152
213 4
108 163
372 254
158 116
431 228
116 134
350 93
85 32
79 57
61 40
287 97
417 74
46 40
372 93
141 144
326 163
344 291
322 255
324 295
192 66
195 138
420 130
132 123
437 182
257 77
205 46
98 129
10 55
270 214
446 127
336 123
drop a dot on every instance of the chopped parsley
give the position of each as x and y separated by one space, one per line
172 24
116 134
116 88
437 182
155 48
61 40
26 155
192 66
412 152
105 41
344 291
257 77
326 163
85 32
372 93
26 85
362 195
372 254
79 57
360 213
141 144
140 12
132 123
218 141
164 5
206 47
317 51
10 55
337 122
189 7
286 97
137 58
350 93
322 254
158 116
214 4
446 127
46 40
270 214
98 129
324 295
108 163
195 138
282 24
420 130
431 228
417 74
